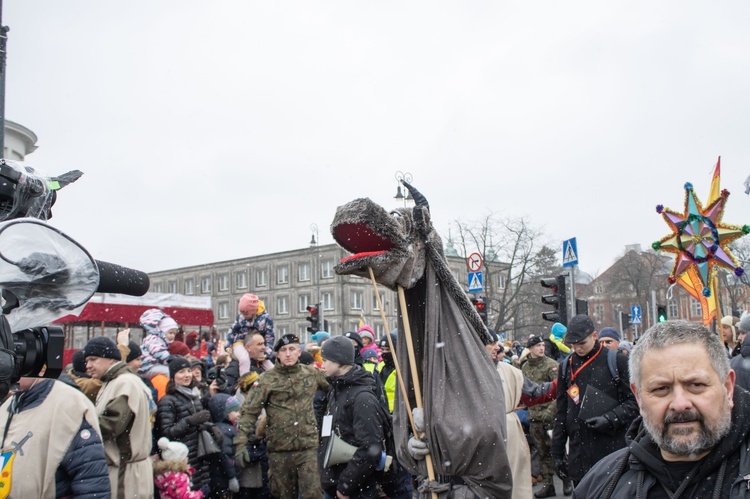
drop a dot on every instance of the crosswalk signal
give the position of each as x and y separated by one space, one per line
314 318
661 313
558 299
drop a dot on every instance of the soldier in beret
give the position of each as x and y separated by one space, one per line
286 393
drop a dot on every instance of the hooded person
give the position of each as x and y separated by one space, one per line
160 330
741 364
729 332
224 477
172 472
367 335
387 370
358 419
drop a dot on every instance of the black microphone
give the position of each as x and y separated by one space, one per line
117 279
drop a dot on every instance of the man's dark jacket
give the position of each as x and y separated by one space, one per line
587 446
359 419
705 479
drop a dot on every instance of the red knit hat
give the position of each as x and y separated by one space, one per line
178 348
191 339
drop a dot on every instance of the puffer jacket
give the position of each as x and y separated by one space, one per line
171 419
223 469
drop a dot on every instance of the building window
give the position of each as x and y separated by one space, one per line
501 281
379 330
189 287
375 304
598 289
205 284
304 302
223 282
282 275
261 278
281 330
282 305
672 309
599 312
356 300
303 272
172 286
157 287
223 310
301 332
240 280
327 299
695 308
326 269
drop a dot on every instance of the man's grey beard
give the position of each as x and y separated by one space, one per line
706 439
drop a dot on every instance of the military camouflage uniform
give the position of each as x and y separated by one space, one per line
286 393
542 416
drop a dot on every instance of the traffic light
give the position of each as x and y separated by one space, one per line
558 299
313 318
481 307
661 313
582 307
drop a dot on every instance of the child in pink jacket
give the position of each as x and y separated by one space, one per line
172 473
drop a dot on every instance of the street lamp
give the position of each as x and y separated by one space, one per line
315 235
399 194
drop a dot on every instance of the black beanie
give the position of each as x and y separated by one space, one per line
135 351
177 364
356 337
101 346
79 364
338 349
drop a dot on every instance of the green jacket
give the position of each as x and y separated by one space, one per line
286 393
541 370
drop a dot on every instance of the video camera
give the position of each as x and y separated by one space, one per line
44 275
217 374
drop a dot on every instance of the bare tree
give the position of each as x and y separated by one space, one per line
515 255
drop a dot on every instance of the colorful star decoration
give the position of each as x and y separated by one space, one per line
699 239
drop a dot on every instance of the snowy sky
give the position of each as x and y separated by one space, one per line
210 131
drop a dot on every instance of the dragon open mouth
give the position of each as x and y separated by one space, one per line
360 240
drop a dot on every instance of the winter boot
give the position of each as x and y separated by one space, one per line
567 487
547 491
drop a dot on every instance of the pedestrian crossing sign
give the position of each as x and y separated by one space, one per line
570 253
476 283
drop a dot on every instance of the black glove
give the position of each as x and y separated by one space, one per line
198 418
561 468
218 436
601 424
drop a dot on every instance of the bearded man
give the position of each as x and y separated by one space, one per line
693 436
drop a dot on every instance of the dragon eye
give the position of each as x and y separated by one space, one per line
396 214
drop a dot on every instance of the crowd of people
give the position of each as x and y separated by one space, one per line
194 416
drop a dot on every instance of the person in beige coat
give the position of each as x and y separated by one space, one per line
124 408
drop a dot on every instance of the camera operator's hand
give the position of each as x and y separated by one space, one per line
199 418
213 388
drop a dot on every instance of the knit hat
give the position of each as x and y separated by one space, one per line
339 349
369 354
609 332
172 451
249 304
178 348
101 346
232 405
579 328
167 324
745 322
558 330
247 380
177 364
287 339
731 321
383 343
533 341
306 358
79 364
320 337
493 335
625 345
135 351
356 337
150 319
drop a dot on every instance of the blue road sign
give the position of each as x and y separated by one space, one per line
570 252
476 283
635 314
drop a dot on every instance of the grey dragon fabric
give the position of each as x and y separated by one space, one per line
463 396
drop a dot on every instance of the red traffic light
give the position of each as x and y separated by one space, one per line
312 309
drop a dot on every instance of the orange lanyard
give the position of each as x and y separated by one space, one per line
573 373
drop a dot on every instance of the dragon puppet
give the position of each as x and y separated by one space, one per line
464 407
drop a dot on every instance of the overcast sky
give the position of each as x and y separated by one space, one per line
210 131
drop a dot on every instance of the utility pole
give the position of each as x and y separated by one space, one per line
3 53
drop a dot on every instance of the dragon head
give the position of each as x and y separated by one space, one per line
391 243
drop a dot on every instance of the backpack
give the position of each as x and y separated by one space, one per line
611 363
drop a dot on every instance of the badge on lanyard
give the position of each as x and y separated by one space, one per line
574 393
